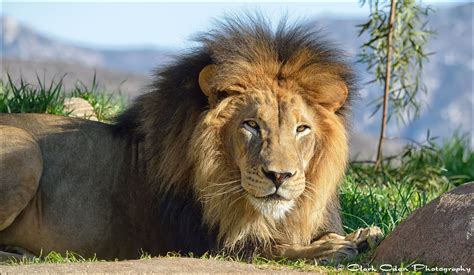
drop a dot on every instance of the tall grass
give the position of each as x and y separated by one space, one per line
426 165
26 98
406 182
49 98
457 157
386 205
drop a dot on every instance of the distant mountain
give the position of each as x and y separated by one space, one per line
448 75
24 43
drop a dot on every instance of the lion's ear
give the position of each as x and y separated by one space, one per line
211 89
334 95
205 79
331 91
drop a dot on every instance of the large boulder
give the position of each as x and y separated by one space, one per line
440 234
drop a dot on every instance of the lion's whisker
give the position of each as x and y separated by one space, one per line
237 199
220 192
234 171
223 183
312 190
305 195
222 201
310 187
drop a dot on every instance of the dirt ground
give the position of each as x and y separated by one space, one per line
155 265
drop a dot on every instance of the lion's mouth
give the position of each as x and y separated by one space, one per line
273 205
272 198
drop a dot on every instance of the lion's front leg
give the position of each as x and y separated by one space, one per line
332 247
323 250
363 238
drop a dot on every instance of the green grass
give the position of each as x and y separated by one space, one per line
457 158
49 98
369 196
426 165
26 98
385 205
54 258
420 173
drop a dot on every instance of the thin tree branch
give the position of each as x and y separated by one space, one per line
388 70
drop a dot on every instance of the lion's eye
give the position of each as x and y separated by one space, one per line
302 128
252 127
252 124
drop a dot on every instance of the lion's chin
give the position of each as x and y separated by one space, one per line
272 206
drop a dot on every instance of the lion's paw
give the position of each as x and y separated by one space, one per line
366 238
335 251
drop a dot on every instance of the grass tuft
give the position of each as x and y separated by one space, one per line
54 258
26 98
48 98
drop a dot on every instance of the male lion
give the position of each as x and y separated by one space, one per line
240 147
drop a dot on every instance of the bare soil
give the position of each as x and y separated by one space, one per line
155 265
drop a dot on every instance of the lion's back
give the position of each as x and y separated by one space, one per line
81 180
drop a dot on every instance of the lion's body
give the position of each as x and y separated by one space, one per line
90 200
77 198
241 146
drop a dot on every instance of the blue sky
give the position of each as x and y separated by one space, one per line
117 24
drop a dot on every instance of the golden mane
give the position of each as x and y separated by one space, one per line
181 134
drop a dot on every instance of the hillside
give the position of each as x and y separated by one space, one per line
25 43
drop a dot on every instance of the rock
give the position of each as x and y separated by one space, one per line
155 265
440 234
79 107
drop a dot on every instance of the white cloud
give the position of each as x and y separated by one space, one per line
457 116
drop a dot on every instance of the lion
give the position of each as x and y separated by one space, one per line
239 148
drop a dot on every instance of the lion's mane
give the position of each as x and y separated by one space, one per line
180 142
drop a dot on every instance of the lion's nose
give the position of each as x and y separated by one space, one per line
278 178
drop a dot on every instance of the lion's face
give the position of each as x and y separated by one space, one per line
273 139
272 134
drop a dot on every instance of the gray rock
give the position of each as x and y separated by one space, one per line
439 234
79 107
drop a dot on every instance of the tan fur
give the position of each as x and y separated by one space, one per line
20 163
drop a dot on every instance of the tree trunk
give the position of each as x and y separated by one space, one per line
386 91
